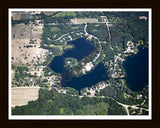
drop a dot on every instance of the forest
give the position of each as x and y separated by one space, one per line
54 103
99 30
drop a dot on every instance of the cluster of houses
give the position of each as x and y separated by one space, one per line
90 92
114 68
130 47
87 67
67 37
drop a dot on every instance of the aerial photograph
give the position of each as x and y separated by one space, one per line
79 63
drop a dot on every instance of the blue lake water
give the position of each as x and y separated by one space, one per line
81 48
98 74
137 69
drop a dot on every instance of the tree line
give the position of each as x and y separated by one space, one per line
54 103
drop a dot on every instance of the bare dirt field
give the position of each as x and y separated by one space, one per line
25 48
86 20
16 16
21 37
21 31
21 96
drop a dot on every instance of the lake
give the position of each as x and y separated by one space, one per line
137 68
81 48
98 74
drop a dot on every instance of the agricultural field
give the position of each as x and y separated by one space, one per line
48 13
84 20
26 44
62 14
16 16
26 54
21 96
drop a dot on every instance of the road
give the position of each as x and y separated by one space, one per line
132 106
61 36
109 34
97 40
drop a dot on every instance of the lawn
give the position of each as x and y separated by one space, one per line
60 47
55 29
62 14
49 13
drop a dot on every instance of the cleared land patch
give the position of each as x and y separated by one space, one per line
21 31
55 29
26 51
62 14
21 96
26 43
49 13
16 16
86 20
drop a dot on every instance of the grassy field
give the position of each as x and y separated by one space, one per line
68 47
49 13
62 14
94 30
60 46
103 42
55 29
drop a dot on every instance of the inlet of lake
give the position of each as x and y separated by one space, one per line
136 67
137 70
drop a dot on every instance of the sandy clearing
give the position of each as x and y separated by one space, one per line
21 35
19 53
21 96
16 16
85 20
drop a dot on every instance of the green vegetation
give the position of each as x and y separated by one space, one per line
23 77
20 74
88 14
68 14
55 29
70 62
50 33
49 13
97 109
120 36
107 50
123 94
71 91
137 28
100 59
54 103
69 46
49 72
100 31
48 60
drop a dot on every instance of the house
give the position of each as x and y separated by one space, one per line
102 19
143 17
